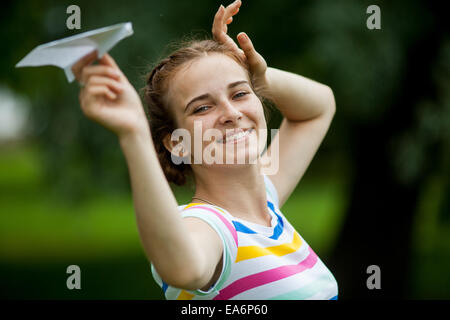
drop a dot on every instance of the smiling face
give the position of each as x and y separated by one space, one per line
215 92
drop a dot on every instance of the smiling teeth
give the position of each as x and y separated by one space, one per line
236 136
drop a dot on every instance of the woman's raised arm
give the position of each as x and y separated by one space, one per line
308 107
182 257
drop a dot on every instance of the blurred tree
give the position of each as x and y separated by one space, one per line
399 133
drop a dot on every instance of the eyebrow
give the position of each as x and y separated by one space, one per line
207 95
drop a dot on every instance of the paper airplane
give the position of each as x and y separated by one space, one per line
64 53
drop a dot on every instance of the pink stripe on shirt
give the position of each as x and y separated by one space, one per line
262 278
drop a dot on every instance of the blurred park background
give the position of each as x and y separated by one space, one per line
377 192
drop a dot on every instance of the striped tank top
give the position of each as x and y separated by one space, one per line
259 262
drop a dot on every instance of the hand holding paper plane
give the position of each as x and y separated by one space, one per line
64 53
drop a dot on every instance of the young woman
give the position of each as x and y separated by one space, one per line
232 242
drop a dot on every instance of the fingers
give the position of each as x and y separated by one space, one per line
103 80
109 61
96 87
88 98
232 9
99 70
217 28
100 86
255 60
80 64
101 90
246 45
106 67
223 17
113 85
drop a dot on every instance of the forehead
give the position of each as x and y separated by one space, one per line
207 74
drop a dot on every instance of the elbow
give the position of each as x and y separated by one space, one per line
330 101
191 278
187 282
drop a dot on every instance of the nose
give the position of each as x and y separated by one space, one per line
230 114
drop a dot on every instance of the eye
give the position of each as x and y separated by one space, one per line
200 108
240 94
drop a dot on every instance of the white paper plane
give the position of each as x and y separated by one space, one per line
64 53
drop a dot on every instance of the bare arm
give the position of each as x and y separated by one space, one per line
307 106
298 98
185 252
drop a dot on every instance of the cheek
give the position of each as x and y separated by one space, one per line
205 123
197 128
256 111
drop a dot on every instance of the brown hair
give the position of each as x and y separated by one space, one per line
161 120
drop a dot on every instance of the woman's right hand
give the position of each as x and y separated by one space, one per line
107 97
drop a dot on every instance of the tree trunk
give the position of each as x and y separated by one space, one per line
377 228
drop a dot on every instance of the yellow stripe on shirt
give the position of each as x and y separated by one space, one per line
184 295
250 252
192 204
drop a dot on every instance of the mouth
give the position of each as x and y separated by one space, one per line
235 136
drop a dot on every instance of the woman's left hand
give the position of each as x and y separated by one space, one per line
256 62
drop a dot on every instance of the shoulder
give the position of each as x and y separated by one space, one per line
204 209
218 218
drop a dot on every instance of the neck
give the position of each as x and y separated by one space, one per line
241 191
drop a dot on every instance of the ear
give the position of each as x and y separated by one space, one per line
168 144
174 147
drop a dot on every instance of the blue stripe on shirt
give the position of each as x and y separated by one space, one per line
278 230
